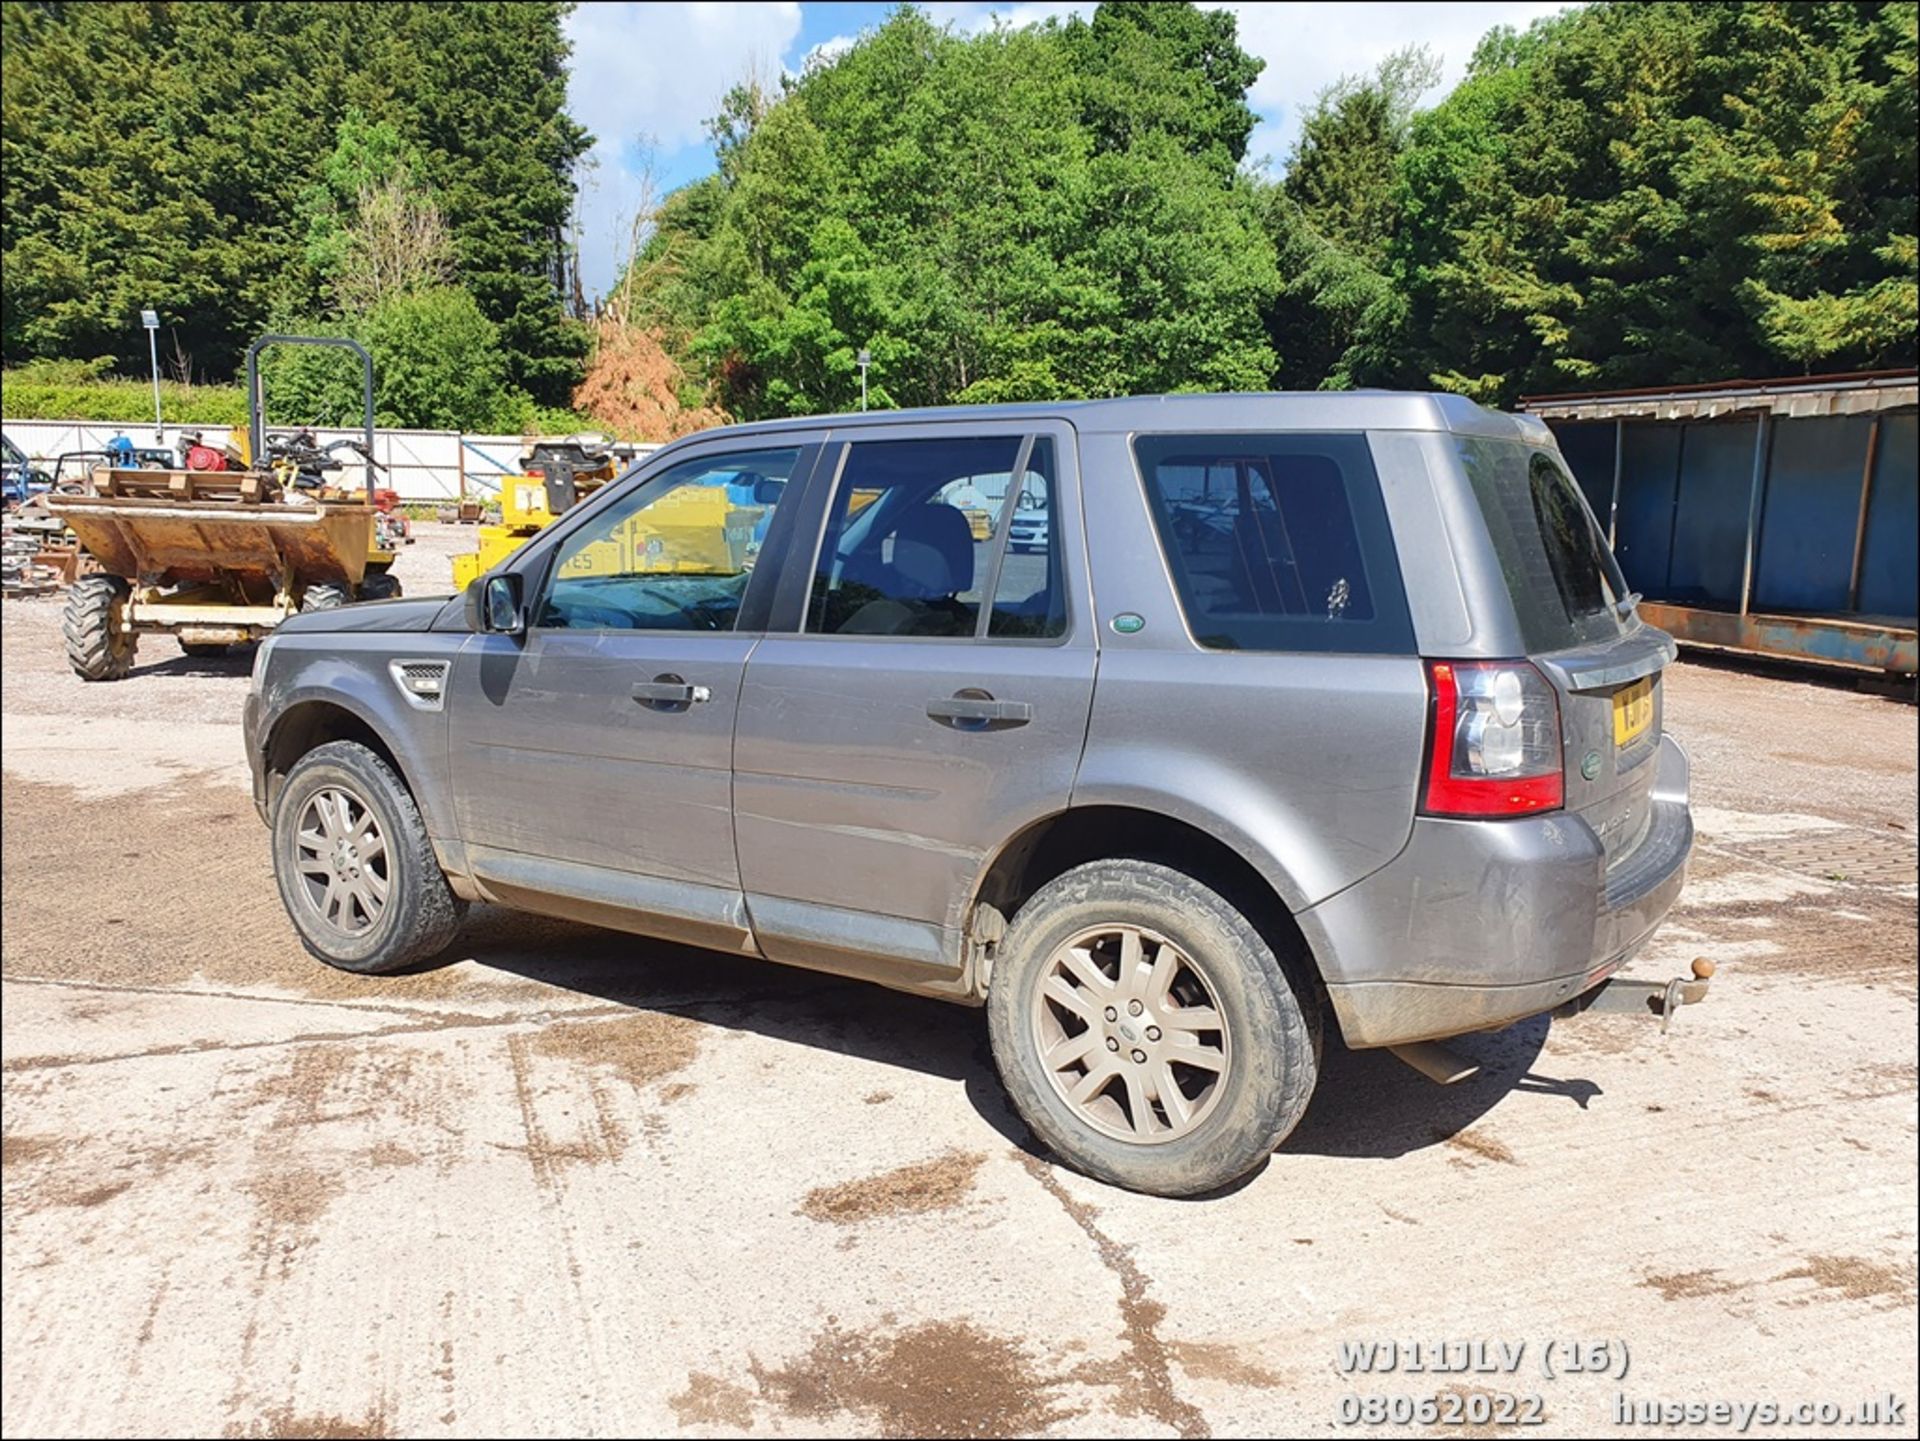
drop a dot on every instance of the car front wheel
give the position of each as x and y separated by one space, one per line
1147 1031
356 870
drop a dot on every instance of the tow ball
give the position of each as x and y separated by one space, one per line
1624 995
1619 995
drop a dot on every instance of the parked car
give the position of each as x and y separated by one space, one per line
1319 706
1027 530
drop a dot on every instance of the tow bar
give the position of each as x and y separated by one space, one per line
1620 995
1623 995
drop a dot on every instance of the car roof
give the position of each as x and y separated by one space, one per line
1304 410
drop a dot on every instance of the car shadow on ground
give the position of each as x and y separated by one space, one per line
1367 1104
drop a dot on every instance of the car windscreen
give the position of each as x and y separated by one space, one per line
1566 585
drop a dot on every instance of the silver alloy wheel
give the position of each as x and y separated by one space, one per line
341 860
1131 1034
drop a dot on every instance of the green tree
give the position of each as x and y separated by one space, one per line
157 155
1632 195
1344 171
438 365
986 214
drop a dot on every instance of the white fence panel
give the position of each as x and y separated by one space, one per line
423 465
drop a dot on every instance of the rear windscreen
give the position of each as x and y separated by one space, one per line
1277 542
1565 584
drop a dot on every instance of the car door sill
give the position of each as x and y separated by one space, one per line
893 951
670 910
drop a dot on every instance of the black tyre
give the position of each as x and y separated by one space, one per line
357 873
1146 1030
379 585
203 652
325 596
97 647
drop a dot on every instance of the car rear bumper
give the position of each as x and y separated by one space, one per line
1477 924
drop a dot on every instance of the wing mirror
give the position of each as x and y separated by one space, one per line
494 605
768 492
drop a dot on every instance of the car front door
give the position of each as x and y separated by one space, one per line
591 753
924 698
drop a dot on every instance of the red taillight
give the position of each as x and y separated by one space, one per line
1493 748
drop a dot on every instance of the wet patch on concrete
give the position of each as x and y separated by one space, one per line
1144 1375
1478 1144
17 1149
1690 1285
944 1378
284 1421
710 1401
937 1185
1221 1361
1854 1278
642 1048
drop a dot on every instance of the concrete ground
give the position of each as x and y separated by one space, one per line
578 1183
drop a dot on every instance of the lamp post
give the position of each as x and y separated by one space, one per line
866 359
151 319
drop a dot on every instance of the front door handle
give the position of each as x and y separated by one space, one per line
669 691
980 710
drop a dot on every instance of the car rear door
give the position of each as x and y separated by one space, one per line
926 697
591 755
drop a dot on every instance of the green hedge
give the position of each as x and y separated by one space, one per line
66 390
73 390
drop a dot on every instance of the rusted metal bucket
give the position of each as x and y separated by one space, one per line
261 545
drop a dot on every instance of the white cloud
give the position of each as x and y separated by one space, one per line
647 77
1308 47
968 16
828 50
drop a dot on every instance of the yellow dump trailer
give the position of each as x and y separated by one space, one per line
212 558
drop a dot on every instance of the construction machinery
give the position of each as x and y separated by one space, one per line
219 554
558 475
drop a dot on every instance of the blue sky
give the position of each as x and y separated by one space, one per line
645 76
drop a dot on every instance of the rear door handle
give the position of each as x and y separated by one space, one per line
981 709
669 690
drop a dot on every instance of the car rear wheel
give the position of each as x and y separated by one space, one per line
356 870
1147 1031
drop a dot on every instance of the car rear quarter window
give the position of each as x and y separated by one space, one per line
1277 542
1565 584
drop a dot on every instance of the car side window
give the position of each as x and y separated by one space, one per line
910 536
676 554
1277 542
1030 601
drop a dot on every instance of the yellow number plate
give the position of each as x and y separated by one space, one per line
1632 712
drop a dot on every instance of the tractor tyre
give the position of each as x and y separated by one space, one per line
97 647
325 596
379 585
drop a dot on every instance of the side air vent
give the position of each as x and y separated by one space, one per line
422 682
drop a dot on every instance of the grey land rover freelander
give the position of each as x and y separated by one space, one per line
1276 708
